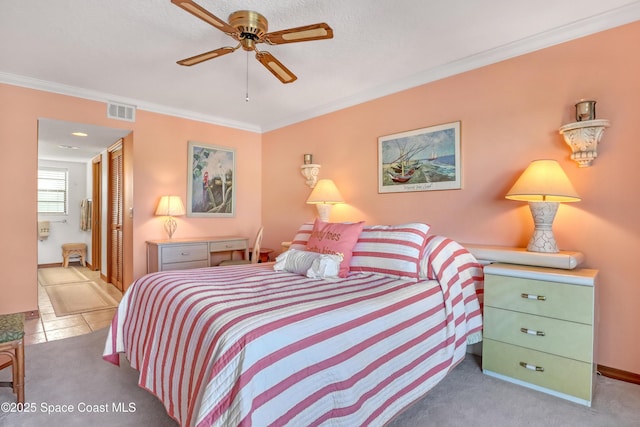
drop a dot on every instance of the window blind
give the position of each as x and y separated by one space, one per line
52 190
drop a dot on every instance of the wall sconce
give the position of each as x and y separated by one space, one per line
170 206
324 196
544 185
310 170
584 135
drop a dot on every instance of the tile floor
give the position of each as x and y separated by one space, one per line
49 327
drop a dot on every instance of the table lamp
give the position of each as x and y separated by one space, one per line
170 206
544 185
324 195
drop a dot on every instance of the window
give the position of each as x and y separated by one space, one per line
52 191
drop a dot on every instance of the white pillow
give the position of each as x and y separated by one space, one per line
325 266
311 264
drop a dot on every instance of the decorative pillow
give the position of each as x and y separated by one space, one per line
301 238
335 238
311 264
393 251
325 266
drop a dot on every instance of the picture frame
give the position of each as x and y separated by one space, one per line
211 180
420 160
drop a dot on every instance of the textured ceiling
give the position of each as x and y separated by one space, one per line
126 51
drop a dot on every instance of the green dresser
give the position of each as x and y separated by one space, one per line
539 329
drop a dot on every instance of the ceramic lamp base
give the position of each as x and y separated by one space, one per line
170 226
542 239
324 210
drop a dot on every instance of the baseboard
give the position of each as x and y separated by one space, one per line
71 263
55 264
33 314
619 374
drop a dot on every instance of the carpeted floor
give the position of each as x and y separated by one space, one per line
71 374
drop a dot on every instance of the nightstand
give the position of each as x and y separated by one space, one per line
539 328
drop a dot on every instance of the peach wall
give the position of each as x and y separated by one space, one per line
159 166
510 114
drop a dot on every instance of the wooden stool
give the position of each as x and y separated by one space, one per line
11 344
74 249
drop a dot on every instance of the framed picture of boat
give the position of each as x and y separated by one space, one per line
211 181
420 160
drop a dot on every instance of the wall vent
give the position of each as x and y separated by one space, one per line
121 111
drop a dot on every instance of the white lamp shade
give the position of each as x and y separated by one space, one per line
543 181
325 192
170 206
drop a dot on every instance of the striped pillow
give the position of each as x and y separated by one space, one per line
393 251
301 238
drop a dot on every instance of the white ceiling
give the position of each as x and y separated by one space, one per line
126 51
56 142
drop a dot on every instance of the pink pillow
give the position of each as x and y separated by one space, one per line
335 238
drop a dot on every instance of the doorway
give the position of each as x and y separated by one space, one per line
87 159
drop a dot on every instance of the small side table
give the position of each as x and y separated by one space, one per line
264 254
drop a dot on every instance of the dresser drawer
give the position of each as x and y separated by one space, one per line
561 301
227 245
183 253
185 265
563 375
560 337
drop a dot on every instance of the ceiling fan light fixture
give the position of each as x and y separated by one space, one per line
249 23
250 28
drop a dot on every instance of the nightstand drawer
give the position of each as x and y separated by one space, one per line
563 338
561 301
183 253
229 245
564 375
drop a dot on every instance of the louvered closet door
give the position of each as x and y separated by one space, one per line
115 216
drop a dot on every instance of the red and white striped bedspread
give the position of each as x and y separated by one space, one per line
248 346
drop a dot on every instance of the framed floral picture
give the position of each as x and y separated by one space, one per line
420 160
210 181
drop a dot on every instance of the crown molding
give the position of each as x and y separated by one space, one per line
581 28
92 95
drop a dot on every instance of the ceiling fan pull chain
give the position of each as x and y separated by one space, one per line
246 99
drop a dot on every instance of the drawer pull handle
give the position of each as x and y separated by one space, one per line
532 367
532 332
184 253
535 297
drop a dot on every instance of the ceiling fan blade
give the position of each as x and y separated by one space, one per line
276 67
300 34
199 12
206 56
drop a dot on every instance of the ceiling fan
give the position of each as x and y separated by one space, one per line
250 28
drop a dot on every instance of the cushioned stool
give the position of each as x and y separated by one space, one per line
74 249
11 344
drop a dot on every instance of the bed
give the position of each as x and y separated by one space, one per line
252 345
